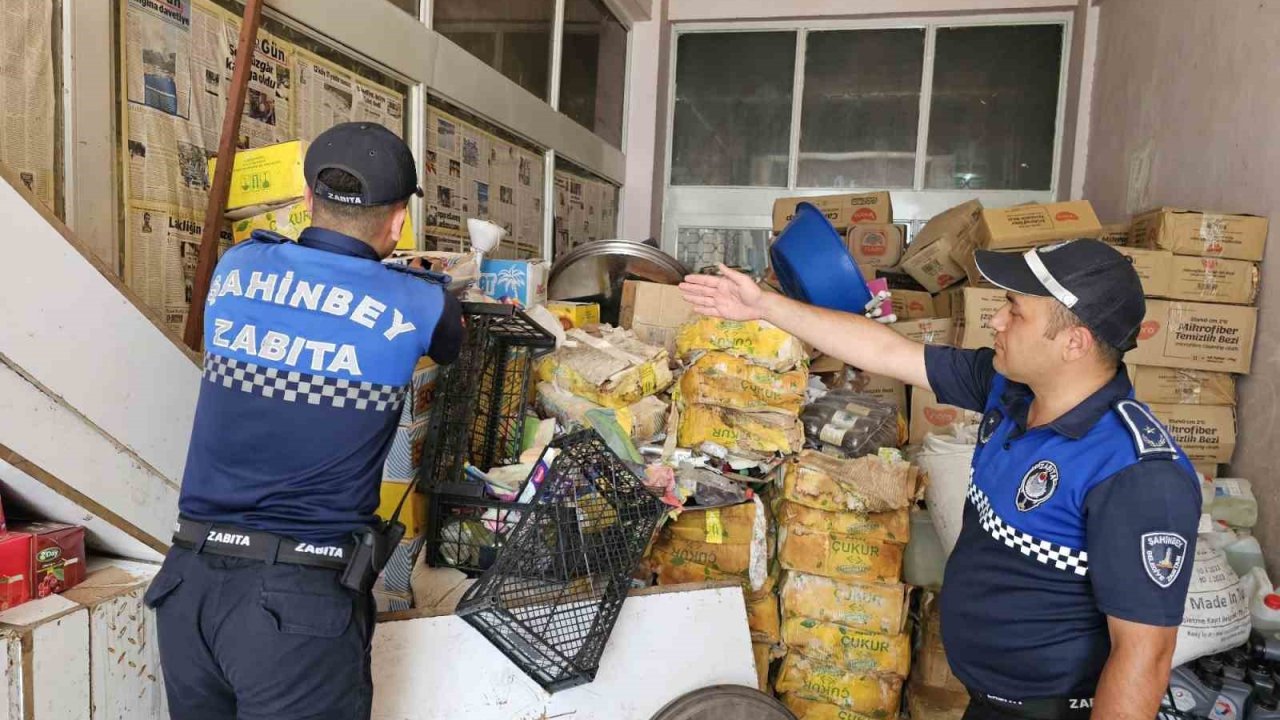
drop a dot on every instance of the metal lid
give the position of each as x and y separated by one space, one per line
724 701
594 272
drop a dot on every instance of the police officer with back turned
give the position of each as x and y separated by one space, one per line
1062 596
263 604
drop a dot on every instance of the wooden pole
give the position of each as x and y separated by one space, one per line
213 213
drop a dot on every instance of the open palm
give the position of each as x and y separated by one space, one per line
731 295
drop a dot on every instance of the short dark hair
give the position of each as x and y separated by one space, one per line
1061 318
358 221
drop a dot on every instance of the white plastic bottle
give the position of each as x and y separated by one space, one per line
1264 609
1244 555
1234 503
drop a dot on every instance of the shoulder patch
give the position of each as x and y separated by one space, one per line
1150 438
268 236
438 278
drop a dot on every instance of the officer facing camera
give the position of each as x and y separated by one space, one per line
264 606
1062 597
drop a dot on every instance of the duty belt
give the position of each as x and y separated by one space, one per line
254 545
1038 709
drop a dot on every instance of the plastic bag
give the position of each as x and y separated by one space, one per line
850 424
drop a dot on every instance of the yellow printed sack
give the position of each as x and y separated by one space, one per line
756 340
761 433
719 378
876 696
854 650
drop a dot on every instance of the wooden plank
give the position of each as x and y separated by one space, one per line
74 330
65 453
663 645
222 174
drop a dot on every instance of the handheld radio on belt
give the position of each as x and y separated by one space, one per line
374 546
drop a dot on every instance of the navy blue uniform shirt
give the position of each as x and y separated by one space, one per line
309 349
1092 515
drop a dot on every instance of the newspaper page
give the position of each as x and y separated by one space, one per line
473 174
164 275
328 94
27 86
586 211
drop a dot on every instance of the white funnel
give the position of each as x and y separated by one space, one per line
485 235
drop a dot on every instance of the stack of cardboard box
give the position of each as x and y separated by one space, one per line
933 693
843 605
1199 271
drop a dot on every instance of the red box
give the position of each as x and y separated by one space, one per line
57 556
16 570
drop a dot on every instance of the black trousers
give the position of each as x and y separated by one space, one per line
243 639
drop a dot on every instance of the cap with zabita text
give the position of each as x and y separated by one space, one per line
371 153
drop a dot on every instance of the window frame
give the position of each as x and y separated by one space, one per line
751 207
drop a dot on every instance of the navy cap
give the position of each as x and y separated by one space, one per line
374 155
1091 278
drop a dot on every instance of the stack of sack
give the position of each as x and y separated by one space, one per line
843 525
743 388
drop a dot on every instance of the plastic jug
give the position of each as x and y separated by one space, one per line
1234 503
1193 690
1264 607
924 559
1244 555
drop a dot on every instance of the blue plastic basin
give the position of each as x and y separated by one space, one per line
813 266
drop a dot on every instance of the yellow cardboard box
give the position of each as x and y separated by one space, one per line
290 220
414 514
266 175
579 314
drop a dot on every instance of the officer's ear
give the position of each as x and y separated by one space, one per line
398 219
309 199
1080 342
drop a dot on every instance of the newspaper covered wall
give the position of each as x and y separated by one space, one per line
27 85
179 57
473 174
586 210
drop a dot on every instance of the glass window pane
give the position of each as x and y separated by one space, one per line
701 247
861 108
593 68
511 37
994 107
732 121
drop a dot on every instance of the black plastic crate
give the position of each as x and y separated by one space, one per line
467 531
556 587
481 399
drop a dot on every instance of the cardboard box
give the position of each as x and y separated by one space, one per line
1116 235
16 568
414 512
1153 268
930 416
971 312
1207 433
1207 279
58 558
266 175
1182 387
524 281
930 331
931 257
654 312
876 246
1196 336
291 219
1030 225
842 210
578 314
1192 232
883 388
913 305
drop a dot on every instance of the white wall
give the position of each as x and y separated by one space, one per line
1189 87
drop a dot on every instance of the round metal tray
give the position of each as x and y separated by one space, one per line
595 272
720 702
